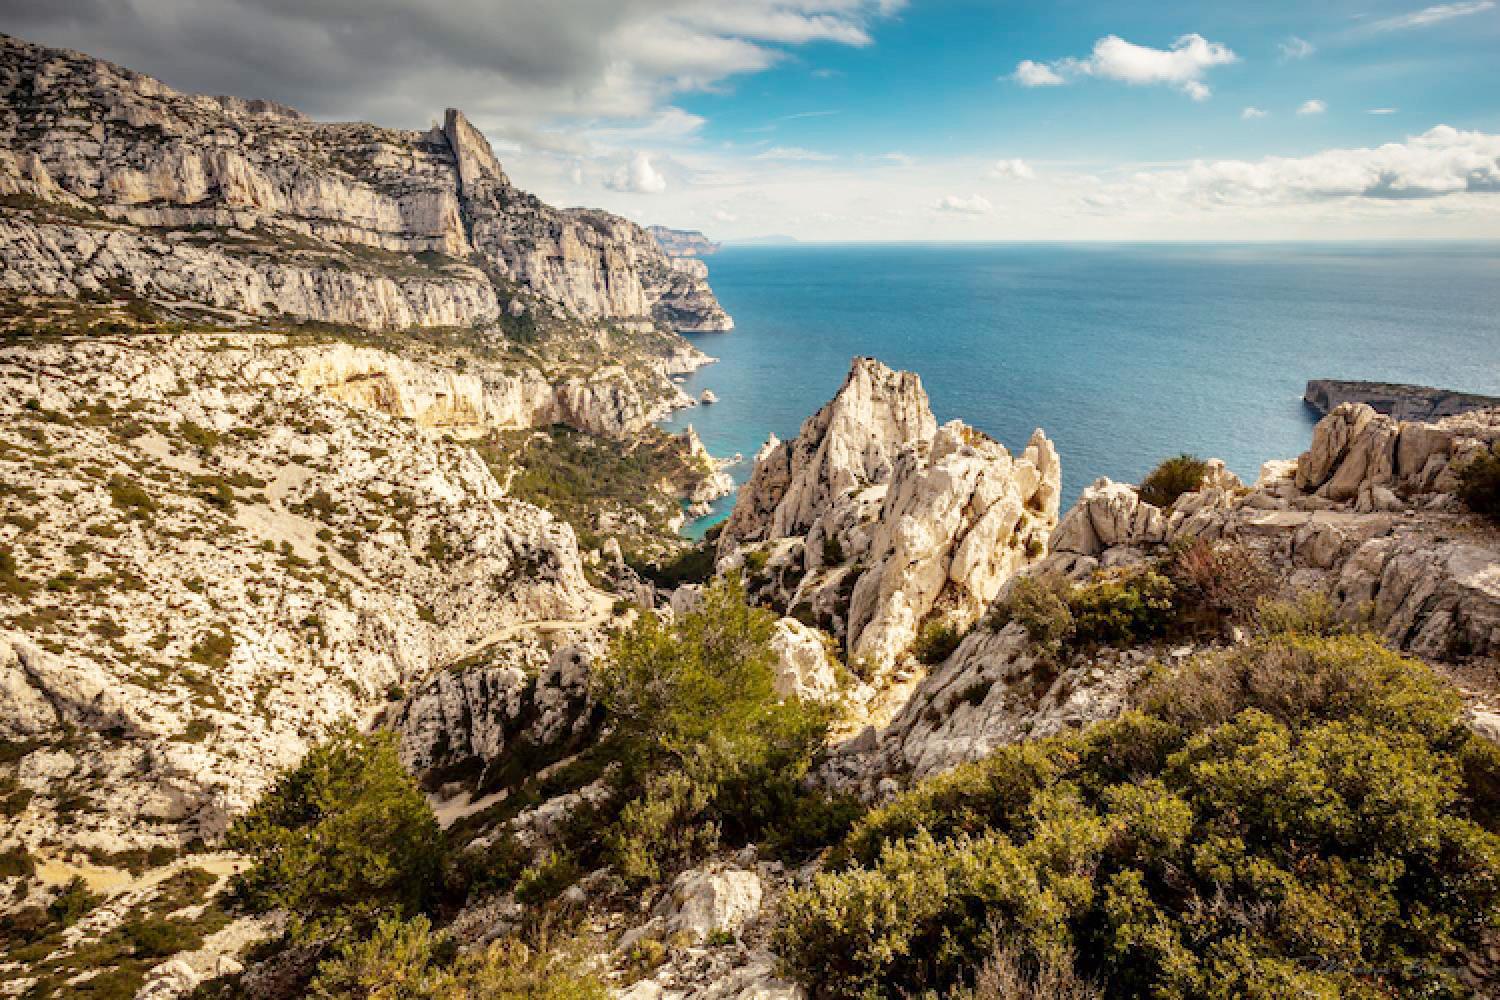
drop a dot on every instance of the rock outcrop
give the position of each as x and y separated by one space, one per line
1394 399
208 561
683 242
1363 517
874 520
115 185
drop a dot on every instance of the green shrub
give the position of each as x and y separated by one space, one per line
1276 821
158 937
936 641
707 751
407 961
343 839
73 903
1041 605
1479 483
833 550
1123 607
128 495
17 862
1218 583
1171 479
200 437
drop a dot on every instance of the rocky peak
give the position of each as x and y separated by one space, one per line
874 520
478 170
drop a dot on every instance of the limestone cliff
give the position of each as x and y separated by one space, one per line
1365 517
208 558
874 520
114 184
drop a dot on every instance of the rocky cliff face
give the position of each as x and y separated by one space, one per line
208 558
874 520
1402 402
1365 517
116 185
683 242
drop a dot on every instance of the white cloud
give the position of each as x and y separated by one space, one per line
793 153
1382 111
1183 65
974 204
1035 74
639 176
1252 113
723 215
1433 15
1015 169
1312 107
1441 162
1297 48
898 158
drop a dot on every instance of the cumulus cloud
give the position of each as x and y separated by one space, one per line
1297 48
1014 169
1252 113
1312 107
974 204
1035 74
1435 14
1183 66
639 176
1441 162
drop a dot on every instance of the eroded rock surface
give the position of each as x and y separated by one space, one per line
874 519
120 186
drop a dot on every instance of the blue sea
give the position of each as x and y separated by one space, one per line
1123 354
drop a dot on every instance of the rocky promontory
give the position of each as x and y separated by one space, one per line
114 186
1394 399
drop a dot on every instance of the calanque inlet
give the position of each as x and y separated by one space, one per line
349 647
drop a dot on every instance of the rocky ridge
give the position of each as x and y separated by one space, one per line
117 186
874 521
1366 517
1397 400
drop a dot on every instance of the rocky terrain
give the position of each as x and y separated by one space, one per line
875 522
116 186
1403 402
683 242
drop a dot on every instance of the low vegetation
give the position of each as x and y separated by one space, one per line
1196 588
1479 483
342 841
1302 816
1171 479
406 959
708 754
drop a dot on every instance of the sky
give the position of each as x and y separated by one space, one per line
831 120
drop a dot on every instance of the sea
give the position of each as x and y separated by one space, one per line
1124 354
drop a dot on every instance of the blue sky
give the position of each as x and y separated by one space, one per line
896 119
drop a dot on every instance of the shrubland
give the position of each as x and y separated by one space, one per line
1305 815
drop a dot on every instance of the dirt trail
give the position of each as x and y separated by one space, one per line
112 881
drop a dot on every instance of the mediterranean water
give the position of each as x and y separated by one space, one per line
1123 354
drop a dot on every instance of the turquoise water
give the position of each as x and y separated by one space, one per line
1123 354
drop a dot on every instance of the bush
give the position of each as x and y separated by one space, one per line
342 840
406 960
707 751
1123 607
1223 582
1042 606
1274 821
936 641
1479 483
128 495
73 903
158 937
1171 479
